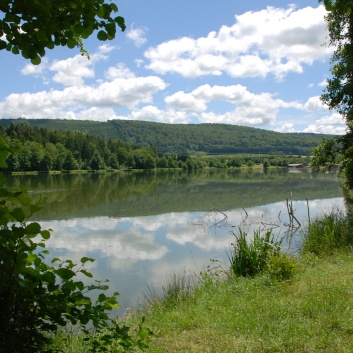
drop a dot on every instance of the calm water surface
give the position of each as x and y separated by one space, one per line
143 227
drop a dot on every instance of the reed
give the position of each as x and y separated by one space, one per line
328 233
250 258
174 290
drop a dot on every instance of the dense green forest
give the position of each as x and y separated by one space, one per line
42 149
186 138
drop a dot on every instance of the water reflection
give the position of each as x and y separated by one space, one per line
142 227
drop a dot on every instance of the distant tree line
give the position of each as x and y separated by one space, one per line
187 138
45 150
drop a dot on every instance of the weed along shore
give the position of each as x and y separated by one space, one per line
265 301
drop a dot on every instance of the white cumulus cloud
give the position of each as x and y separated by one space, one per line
35 70
137 35
121 92
287 127
249 108
330 124
273 40
119 71
314 104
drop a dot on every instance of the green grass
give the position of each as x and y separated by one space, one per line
250 258
328 233
176 289
311 313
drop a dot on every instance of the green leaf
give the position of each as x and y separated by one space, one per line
80 285
114 7
65 273
121 22
69 286
110 28
45 234
25 53
50 45
49 277
24 199
102 35
101 298
113 305
42 35
30 258
15 50
86 273
32 228
2 44
86 32
71 43
100 12
52 287
18 214
329 5
83 302
77 29
85 259
36 61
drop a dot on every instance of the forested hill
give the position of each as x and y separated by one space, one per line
180 138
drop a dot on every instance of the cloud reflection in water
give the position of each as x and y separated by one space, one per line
139 251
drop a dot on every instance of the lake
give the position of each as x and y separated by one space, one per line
143 227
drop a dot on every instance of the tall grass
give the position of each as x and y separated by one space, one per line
249 258
175 289
328 233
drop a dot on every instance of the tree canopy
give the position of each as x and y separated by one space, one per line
338 95
186 138
30 27
342 6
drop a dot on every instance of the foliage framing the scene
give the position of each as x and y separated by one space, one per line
38 298
338 95
30 27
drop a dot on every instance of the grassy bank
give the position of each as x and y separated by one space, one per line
311 313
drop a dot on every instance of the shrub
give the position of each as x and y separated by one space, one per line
281 267
37 298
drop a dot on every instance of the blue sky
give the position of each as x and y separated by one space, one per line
251 63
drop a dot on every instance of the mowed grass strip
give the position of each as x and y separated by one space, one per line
311 313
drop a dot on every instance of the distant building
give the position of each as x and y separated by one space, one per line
297 165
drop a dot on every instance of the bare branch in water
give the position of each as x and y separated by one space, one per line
209 219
